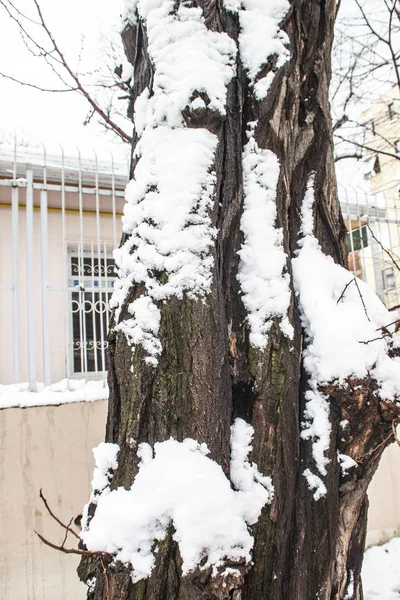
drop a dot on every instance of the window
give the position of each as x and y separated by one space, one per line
391 110
397 146
389 279
357 238
91 281
377 166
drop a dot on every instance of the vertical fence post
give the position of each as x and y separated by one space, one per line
65 273
15 267
45 286
30 281
102 341
113 202
81 263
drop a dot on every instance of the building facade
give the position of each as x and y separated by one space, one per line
60 219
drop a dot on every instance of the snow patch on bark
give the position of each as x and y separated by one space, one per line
317 427
261 38
346 463
262 277
179 485
342 320
169 200
105 456
315 483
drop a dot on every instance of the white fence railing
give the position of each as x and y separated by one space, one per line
373 225
59 222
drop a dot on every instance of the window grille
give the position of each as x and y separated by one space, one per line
91 280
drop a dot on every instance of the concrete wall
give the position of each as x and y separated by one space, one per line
384 499
49 448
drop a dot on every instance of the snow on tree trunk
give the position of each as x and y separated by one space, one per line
229 310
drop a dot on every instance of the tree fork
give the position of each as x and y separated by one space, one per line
208 373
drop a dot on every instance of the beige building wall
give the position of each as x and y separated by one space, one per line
383 122
49 448
59 311
384 499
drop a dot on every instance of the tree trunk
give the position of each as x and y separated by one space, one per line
209 374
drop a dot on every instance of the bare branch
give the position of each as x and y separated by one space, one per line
66 527
370 148
384 249
344 291
80 87
105 555
361 298
37 87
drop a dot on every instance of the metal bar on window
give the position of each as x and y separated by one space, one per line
81 272
94 309
30 281
103 359
106 287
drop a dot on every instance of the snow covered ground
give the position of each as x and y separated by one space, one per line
18 395
381 572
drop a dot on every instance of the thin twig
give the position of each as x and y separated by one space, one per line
362 299
382 337
37 87
396 322
105 555
344 291
80 87
66 527
66 533
384 249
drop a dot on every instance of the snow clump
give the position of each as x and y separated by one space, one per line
261 38
178 484
264 283
170 198
343 320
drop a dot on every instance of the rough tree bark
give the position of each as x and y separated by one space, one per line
208 373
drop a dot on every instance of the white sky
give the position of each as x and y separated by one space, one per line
37 116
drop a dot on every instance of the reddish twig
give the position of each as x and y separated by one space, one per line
66 533
105 555
66 527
